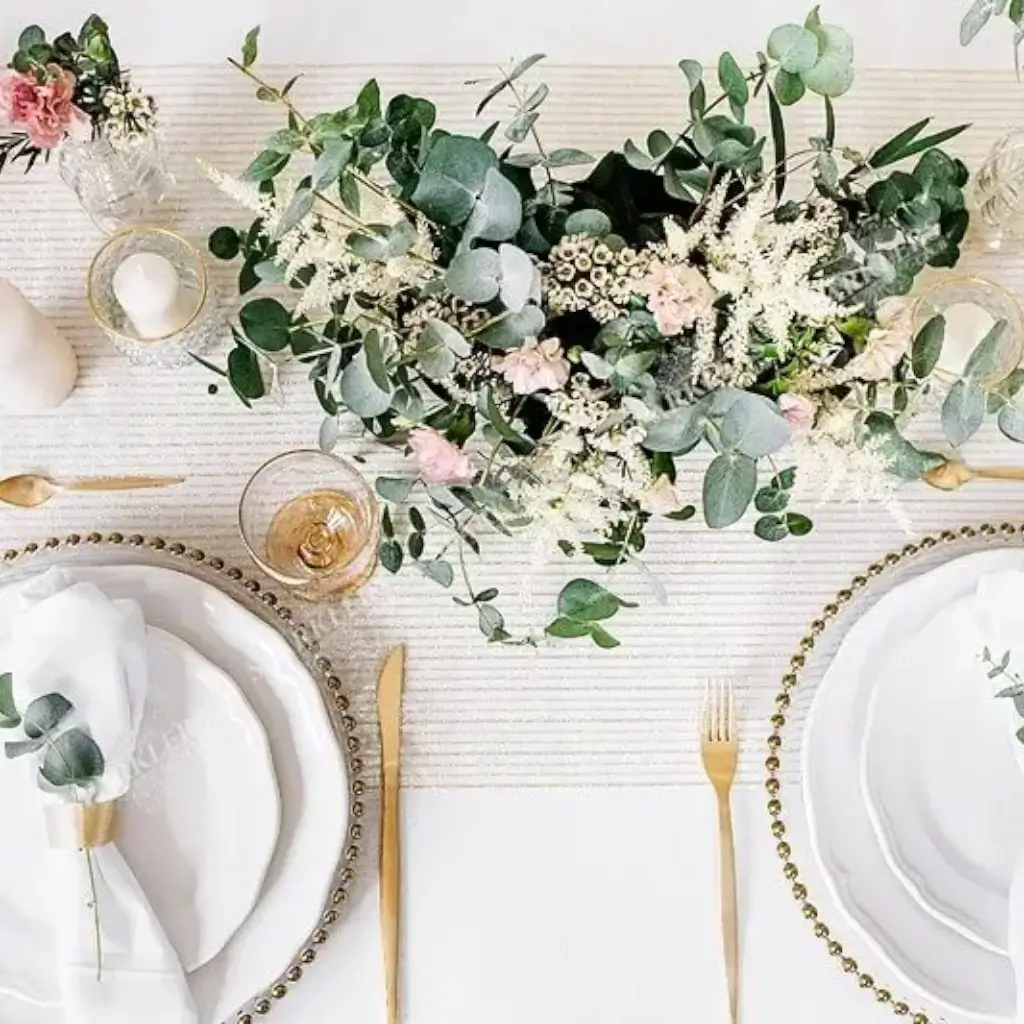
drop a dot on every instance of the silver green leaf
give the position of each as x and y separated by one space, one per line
729 486
331 162
437 331
44 714
438 570
794 47
927 348
498 211
1011 423
475 276
752 424
976 18
360 392
72 759
588 222
677 431
989 355
395 489
454 175
329 433
298 209
517 277
963 411
9 717
512 330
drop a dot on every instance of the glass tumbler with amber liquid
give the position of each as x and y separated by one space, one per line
311 522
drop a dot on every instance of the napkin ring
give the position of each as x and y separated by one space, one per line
81 826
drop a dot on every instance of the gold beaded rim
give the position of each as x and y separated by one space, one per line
773 762
235 583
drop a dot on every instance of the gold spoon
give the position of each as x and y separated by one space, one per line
953 474
30 489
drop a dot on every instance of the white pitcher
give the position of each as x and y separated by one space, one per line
38 367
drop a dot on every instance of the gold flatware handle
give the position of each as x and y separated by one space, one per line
119 483
1000 473
390 882
730 916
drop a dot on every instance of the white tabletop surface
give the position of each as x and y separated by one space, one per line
560 859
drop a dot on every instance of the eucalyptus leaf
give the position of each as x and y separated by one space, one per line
794 47
512 330
498 212
905 460
1011 422
244 373
360 392
517 277
568 157
433 357
567 629
729 486
375 361
439 332
963 411
832 74
329 434
789 88
588 222
395 489
732 80
439 571
587 601
267 324
72 759
976 18
475 276
296 211
597 367
331 162
492 622
44 714
986 356
771 528
250 47
19 748
520 444
753 425
677 431
453 176
521 126
391 555
927 347
602 637
266 166
536 98
694 72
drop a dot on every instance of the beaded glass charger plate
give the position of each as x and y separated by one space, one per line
243 629
829 689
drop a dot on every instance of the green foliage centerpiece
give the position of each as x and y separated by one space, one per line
548 333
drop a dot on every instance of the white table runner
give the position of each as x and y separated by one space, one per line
620 862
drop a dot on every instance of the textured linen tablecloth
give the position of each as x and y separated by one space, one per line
560 858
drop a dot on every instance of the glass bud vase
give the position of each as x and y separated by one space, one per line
998 191
119 184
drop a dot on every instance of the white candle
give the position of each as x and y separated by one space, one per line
966 324
149 290
38 368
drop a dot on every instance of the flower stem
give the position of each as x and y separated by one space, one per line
94 905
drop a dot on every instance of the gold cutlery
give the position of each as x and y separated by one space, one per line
389 714
719 748
953 474
30 489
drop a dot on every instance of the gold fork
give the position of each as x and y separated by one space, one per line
719 750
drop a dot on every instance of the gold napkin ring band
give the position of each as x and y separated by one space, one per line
81 826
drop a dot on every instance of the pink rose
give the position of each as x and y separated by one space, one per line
537 366
45 111
678 297
440 461
799 411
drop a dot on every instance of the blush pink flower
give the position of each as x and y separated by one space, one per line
678 297
440 461
45 111
799 411
537 366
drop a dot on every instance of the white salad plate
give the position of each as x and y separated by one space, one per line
939 962
307 761
940 779
199 860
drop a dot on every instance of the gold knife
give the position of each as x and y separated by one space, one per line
389 715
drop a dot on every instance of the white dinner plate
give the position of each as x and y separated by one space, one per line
199 860
924 953
310 770
941 782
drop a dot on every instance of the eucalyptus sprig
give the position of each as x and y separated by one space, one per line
1014 690
71 760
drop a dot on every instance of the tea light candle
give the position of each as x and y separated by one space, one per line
966 324
38 368
149 290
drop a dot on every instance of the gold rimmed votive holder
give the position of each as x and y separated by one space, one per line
197 320
971 306
312 522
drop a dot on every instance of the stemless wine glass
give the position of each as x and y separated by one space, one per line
311 522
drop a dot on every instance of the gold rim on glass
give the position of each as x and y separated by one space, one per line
143 229
773 762
252 595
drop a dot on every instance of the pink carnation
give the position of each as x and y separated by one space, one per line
440 461
536 366
678 297
799 411
45 111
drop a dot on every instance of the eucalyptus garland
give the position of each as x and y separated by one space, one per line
548 332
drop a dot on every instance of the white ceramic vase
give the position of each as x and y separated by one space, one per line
38 368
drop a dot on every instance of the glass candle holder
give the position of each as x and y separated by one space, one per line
195 304
971 306
311 522
997 191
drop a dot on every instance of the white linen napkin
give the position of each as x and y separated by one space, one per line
74 640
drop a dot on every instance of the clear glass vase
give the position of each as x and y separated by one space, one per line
998 191
119 184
